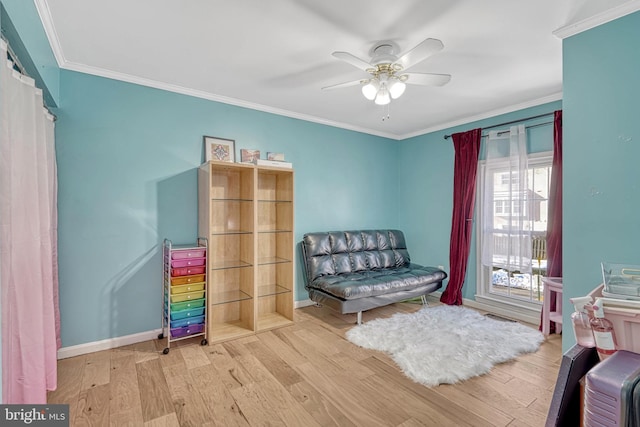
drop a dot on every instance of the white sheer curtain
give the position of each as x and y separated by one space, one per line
506 240
28 240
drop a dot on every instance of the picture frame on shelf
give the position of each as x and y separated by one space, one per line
279 157
249 156
219 149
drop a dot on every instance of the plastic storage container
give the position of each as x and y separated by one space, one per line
625 316
188 271
188 262
188 253
187 330
621 281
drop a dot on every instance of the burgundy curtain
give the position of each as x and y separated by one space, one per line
554 220
467 147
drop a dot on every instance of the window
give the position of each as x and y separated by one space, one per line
502 281
505 181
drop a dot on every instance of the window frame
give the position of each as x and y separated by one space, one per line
483 273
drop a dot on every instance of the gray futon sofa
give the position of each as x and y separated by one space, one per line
353 271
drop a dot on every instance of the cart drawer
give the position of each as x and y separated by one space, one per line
188 262
187 296
179 289
189 312
187 321
187 330
188 271
188 253
184 305
183 280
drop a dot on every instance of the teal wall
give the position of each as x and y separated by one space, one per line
601 154
127 162
21 25
426 187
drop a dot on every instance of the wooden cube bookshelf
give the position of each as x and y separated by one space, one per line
246 212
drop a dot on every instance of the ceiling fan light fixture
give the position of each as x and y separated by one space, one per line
383 97
386 81
396 88
370 89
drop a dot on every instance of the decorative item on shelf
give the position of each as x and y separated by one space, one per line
249 156
220 149
275 156
273 163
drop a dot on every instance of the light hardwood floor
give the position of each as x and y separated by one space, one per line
302 375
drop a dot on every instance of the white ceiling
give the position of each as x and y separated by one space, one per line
275 55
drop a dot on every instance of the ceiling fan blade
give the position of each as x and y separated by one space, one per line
341 85
353 60
427 79
419 53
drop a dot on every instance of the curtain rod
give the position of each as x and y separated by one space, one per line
526 127
13 56
511 122
16 62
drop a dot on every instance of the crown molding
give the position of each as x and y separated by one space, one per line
54 41
489 114
47 22
81 68
598 19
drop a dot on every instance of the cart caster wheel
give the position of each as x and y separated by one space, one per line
160 336
204 342
165 351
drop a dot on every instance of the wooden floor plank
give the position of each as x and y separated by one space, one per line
187 400
353 398
93 407
451 409
223 408
130 418
232 374
70 373
421 410
97 369
154 391
277 367
498 395
169 420
322 362
302 374
124 393
318 406
194 356
282 348
255 406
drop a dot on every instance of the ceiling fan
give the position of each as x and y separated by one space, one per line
388 78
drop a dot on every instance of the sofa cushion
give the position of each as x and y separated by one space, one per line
342 252
369 283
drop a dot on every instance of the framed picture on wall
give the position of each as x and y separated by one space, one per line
220 149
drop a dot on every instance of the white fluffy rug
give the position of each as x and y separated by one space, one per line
445 344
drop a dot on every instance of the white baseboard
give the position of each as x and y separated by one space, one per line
495 307
304 303
91 347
